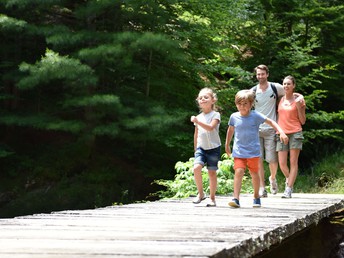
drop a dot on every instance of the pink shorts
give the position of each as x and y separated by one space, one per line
252 163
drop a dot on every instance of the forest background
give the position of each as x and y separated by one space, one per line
96 96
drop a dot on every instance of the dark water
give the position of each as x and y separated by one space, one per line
324 240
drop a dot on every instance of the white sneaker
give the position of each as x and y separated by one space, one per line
287 192
273 186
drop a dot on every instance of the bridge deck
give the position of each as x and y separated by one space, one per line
172 228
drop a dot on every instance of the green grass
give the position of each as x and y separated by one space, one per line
327 176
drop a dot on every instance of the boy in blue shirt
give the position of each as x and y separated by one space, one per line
244 125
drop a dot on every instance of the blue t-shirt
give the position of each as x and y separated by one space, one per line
246 134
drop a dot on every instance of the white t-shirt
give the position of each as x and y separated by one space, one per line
265 102
208 139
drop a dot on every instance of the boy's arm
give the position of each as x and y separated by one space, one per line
283 136
229 136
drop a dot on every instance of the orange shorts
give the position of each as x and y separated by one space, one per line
251 163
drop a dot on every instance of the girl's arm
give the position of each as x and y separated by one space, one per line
195 137
208 127
229 136
283 136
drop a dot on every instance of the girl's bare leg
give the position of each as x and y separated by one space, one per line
212 183
198 179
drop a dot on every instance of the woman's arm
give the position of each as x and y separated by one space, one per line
301 110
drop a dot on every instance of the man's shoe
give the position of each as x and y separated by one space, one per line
273 186
256 203
262 192
234 203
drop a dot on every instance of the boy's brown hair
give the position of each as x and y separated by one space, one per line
248 95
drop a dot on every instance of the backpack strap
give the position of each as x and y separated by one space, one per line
278 99
274 89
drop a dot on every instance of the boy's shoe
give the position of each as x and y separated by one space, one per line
273 186
262 192
211 203
256 203
287 192
198 198
234 203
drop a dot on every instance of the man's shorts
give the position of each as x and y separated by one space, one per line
210 157
251 163
295 142
267 138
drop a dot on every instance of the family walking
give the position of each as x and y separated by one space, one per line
258 134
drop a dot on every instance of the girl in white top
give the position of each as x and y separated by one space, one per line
207 143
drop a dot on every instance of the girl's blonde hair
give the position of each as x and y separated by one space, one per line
211 93
247 95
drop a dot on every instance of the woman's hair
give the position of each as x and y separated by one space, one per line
248 95
289 77
209 92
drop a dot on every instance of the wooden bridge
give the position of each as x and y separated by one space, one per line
171 228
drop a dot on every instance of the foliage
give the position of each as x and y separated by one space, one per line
183 183
326 176
114 82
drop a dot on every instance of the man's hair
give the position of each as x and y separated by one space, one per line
262 67
248 95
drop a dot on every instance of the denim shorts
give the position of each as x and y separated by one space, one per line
209 157
295 142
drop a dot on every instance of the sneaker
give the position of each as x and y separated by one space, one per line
234 203
198 198
262 192
287 192
256 203
211 203
273 186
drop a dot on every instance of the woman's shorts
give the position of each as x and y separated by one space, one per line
210 157
295 142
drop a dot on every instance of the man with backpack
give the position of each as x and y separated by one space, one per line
266 102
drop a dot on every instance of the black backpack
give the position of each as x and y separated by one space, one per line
274 89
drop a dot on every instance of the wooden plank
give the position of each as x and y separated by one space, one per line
171 228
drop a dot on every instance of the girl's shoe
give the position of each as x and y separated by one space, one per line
211 203
198 198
